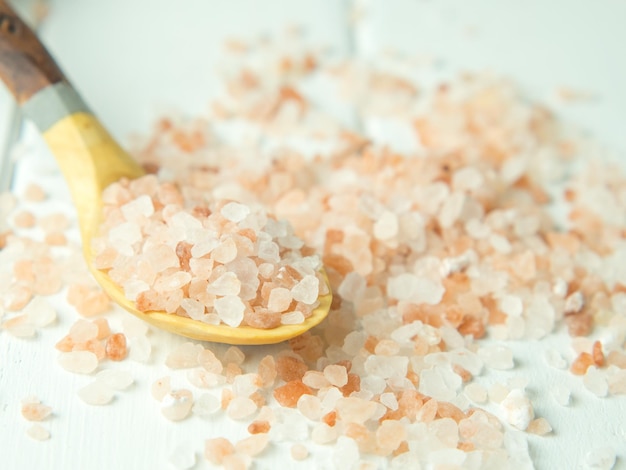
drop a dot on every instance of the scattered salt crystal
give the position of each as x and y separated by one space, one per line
184 356
439 383
240 408
299 452
115 379
386 367
82 331
235 212
386 227
78 362
217 449
38 432
408 286
352 288
183 457
139 207
225 252
230 309
322 433
498 392
96 393
252 445
160 388
307 290
517 409
511 305
574 303
476 392
40 313
235 355
595 381
389 400
206 405
539 426
603 458
269 251
497 357
33 410
279 299
176 405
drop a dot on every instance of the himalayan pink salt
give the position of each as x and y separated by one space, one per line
215 450
160 388
539 426
315 379
299 452
96 393
34 410
240 408
82 331
267 371
259 427
234 355
290 368
206 359
390 434
38 432
310 406
230 310
20 327
289 394
517 409
279 299
336 375
226 284
307 290
18 297
322 433
184 356
24 219
116 347
292 318
235 212
78 362
176 405
40 313
252 445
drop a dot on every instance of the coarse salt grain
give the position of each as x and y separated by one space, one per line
79 362
38 432
96 393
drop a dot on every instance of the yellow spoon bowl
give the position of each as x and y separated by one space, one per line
90 160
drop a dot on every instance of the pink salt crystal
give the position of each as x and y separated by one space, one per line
139 207
160 388
172 281
184 356
115 379
216 449
17 297
352 288
246 384
161 257
427 412
96 393
116 347
336 375
307 290
20 327
226 284
269 251
355 410
230 309
517 409
79 362
38 432
279 299
235 355
253 445
235 212
236 462
292 318
225 252
240 408
310 406
390 434
34 410
201 378
176 405
267 371
289 394
316 379
389 400
207 359
82 331
539 426
24 219
299 452
266 270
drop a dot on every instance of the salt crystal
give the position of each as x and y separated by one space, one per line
176 405
133 326
497 357
511 305
204 247
207 359
299 452
235 212
226 284
292 318
451 209
33 410
230 310
554 359
82 331
602 458
389 400
206 405
517 409
225 252
408 286
574 303
439 383
183 457
323 433
307 290
124 235
139 207
336 375
595 381
352 288
476 392
78 362
40 313
115 379
345 453
96 393
184 356
193 308
160 388
217 449
386 367
38 432
315 379
279 299
240 408
235 355
539 426
498 392
310 406
386 227
269 251
253 445
171 282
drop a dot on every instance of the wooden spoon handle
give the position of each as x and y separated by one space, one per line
26 67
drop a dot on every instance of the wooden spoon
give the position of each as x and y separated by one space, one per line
90 160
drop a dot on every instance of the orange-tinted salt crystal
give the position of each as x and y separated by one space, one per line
353 385
259 427
183 251
116 347
466 446
582 363
24 219
448 410
472 326
428 411
597 354
262 318
267 371
258 399
216 449
465 375
97 347
289 394
330 418
23 270
19 295
66 344
616 358
231 371
104 331
579 324
55 239
308 346
35 411
290 368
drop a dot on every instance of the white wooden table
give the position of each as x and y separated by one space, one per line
133 59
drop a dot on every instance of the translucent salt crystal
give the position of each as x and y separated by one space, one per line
389 400
217 449
451 209
235 212
574 303
307 290
140 349
82 331
517 409
324 434
603 458
355 410
235 355
336 374
266 270
193 308
176 405
184 356
33 410
497 357
38 432
279 299
408 286
386 367
554 359
96 393
140 207
204 247
183 457
206 405
299 452
20 327
310 406
561 394
253 445
467 179
353 342
539 426
269 251
230 309
345 453
245 385
352 288
133 326
226 284
315 379
498 392
595 381
207 359
172 282
40 313
439 383
240 408
78 362
124 234
225 252
386 227
292 318
160 388
201 378
134 287
115 379
511 305
390 434
476 392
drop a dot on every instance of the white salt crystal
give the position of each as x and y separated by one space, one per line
476 392
574 303
389 400
202 378
561 394
292 318
226 284
269 251
279 299
324 434
176 405
172 282
183 456
240 408
310 406
184 356
140 207
497 357
96 393
440 383
184 220
352 287
230 309
235 212
386 367
245 385
600 459
353 342
408 286
595 381
78 362
193 308
21 330
517 409
511 305
38 432
386 227
498 392
134 287
467 179
115 379
554 359
252 445
40 313
225 252
337 375
206 405
204 247
345 453
307 290
451 209
124 234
